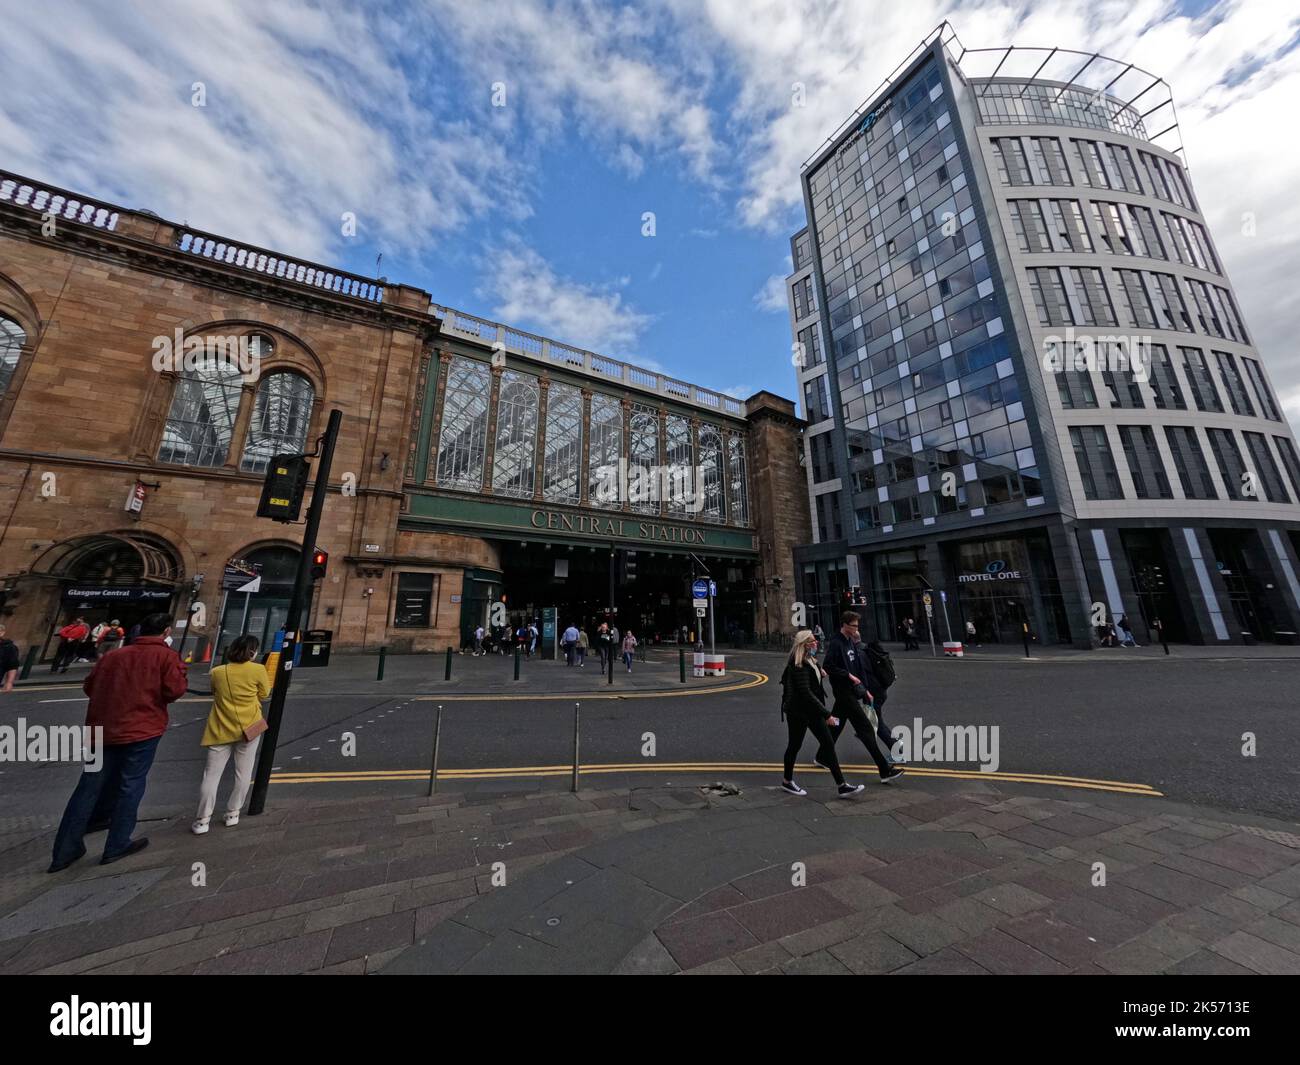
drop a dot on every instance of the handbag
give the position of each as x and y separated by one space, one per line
251 732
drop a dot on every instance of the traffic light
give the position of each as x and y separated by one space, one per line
283 488
319 560
629 566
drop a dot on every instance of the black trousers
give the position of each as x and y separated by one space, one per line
849 709
66 653
800 726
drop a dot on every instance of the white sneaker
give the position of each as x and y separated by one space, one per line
232 819
792 788
200 826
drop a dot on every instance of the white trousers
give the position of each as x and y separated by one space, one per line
218 755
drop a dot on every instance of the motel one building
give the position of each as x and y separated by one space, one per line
1028 379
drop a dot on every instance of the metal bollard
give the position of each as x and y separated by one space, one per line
681 662
383 653
446 673
28 662
433 765
577 709
517 652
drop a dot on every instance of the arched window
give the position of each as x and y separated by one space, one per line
12 339
281 414
202 416
711 473
681 487
606 450
516 444
738 498
643 460
563 444
463 440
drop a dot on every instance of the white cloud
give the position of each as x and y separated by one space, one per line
529 293
772 296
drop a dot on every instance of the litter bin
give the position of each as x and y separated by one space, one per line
315 648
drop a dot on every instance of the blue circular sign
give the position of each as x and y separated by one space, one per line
700 589
996 566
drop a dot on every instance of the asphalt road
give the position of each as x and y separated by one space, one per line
1173 724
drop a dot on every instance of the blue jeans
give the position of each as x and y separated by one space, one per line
121 780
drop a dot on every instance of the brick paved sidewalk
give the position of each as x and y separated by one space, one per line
931 876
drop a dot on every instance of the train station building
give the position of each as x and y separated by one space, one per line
149 372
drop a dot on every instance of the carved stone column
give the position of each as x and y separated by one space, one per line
539 459
625 456
239 434
439 403
490 444
585 461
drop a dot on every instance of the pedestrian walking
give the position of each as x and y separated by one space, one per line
570 642
532 638
909 635
70 640
852 684
1126 637
9 662
603 645
583 646
479 649
803 706
110 636
629 649
129 691
880 663
235 726
971 634
820 633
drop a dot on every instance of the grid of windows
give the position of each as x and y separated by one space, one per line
281 414
1238 398
1144 463
1267 405
1029 103
1189 461
560 483
1265 469
516 438
201 421
1231 466
1096 463
463 439
1292 463
1164 381
1197 372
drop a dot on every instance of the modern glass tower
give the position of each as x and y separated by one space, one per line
1028 380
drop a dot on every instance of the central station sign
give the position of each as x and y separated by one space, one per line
621 528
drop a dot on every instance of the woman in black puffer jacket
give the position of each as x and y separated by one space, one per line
804 707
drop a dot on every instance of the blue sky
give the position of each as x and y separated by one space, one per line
532 212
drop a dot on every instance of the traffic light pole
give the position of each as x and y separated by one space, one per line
301 584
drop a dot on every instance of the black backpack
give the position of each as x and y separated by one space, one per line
882 666
785 691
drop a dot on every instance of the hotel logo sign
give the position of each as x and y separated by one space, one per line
994 571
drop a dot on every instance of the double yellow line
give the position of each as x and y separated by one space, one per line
755 680
606 769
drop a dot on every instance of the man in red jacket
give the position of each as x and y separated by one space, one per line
70 637
129 691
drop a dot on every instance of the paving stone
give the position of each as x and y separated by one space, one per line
1282 933
1138 904
371 935
1169 884
922 933
1074 825
1258 955
783 915
765 883
1134 959
1094 918
94 899
822 963
872 952
1054 937
718 899
914 875
1012 899
1001 953
339 881
761 958
1232 853
608 895
1204 925
431 894
1207 963
429 917
706 938
859 893
444 949
1239 910
1215 874
336 916
970 915
824 935
946 962
648 958
721 967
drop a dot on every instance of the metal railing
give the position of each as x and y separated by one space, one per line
47 199
543 348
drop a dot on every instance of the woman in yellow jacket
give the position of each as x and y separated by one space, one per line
235 723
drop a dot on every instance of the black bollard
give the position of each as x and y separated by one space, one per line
28 662
681 662
517 650
446 673
383 653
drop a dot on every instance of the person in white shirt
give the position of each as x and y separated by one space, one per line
478 642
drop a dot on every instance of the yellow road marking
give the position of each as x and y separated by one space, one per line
755 680
699 767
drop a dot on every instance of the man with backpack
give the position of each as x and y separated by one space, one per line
852 682
881 664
